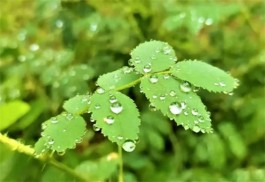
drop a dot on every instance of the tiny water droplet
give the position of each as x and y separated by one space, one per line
97 106
152 107
95 128
153 57
175 108
153 79
172 93
222 84
147 68
194 112
162 97
116 107
127 70
137 60
85 98
166 76
51 142
54 120
196 89
167 50
186 113
61 153
196 121
154 96
196 128
185 86
119 137
100 90
92 120
112 99
109 119
128 145
69 116
183 105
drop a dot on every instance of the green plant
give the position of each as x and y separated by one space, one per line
170 87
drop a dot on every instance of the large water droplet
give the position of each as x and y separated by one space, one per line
147 68
185 86
196 128
128 145
194 112
153 79
116 107
100 90
109 119
175 108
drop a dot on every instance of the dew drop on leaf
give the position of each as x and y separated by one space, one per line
194 112
153 79
119 137
152 107
51 142
61 153
116 107
196 128
147 68
175 108
166 76
112 99
154 96
97 106
100 90
185 86
137 60
54 120
109 119
128 145
172 93
183 105
162 97
95 128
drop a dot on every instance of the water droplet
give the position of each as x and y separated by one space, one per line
196 89
201 119
137 60
64 130
127 70
196 128
152 107
130 62
153 79
119 137
175 108
185 86
154 96
222 84
186 113
61 153
172 93
194 112
116 107
153 57
95 128
112 99
51 142
85 98
209 21
69 116
147 68
162 97
183 105
196 122
128 145
109 119
97 106
100 90
167 50
59 23
166 76
54 120
92 120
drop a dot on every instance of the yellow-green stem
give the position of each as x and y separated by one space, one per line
120 164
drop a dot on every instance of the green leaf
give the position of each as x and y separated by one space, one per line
99 170
185 107
152 56
116 114
203 75
117 78
62 132
10 112
78 104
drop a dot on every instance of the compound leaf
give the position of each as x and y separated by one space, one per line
204 75
62 132
117 78
116 115
177 101
152 56
78 104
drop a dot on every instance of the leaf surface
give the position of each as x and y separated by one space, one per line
78 104
203 75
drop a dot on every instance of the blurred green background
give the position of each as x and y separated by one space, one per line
51 50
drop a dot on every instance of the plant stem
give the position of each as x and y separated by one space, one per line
25 149
120 164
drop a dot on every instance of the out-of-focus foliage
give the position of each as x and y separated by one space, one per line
52 50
